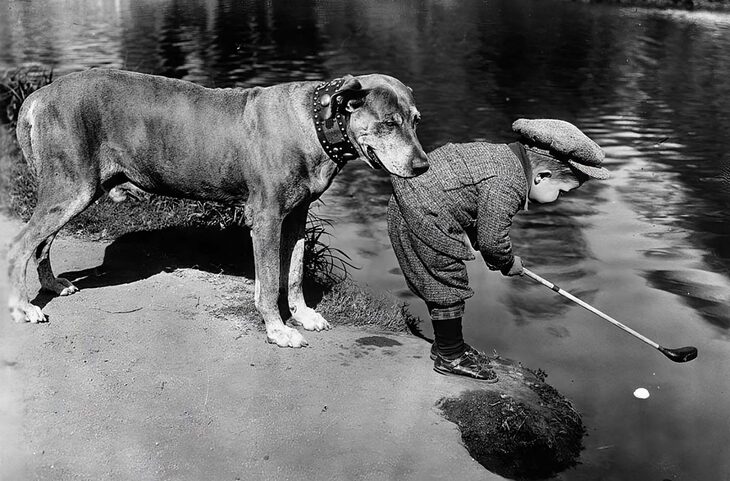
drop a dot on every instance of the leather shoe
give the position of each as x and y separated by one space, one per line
471 364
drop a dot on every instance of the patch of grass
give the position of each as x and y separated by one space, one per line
347 303
108 219
516 439
343 304
17 182
16 84
324 265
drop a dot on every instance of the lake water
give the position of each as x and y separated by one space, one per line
650 246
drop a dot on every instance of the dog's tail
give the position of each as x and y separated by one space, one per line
23 132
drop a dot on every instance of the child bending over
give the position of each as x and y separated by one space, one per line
470 194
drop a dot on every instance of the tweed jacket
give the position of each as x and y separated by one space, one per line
469 194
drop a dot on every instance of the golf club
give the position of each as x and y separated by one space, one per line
680 354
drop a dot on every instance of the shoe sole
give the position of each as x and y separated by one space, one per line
449 373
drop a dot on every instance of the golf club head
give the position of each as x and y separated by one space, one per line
680 354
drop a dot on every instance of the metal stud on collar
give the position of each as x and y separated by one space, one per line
332 131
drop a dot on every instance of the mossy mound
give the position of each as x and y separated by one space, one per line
520 428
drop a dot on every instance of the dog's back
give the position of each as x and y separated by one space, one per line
159 133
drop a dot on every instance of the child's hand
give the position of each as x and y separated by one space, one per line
516 269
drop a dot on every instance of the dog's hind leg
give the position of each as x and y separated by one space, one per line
266 235
59 200
293 238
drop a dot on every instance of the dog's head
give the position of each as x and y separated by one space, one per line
383 119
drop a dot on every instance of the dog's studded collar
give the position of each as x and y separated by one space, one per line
330 122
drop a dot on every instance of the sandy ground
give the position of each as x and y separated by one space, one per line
146 378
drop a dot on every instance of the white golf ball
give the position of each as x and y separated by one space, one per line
641 393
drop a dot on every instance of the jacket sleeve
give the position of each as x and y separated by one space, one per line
499 201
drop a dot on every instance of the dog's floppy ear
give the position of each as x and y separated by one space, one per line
354 104
350 84
348 97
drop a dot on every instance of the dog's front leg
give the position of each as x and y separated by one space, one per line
266 236
293 238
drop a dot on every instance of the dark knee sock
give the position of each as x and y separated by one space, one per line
448 337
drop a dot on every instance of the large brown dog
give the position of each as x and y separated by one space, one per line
276 149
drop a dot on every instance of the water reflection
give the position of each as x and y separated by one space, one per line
557 256
685 212
651 245
225 44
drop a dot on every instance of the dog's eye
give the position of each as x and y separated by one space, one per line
391 123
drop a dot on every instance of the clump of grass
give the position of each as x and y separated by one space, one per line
107 219
15 86
17 183
342 304
324 265
516 439
346 303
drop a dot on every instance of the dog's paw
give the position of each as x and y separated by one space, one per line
286 337
309 319
61 286
26 312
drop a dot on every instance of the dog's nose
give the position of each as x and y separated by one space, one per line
420 164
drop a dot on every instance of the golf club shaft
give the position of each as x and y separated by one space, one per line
585 305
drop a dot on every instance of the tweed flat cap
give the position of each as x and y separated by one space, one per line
566 142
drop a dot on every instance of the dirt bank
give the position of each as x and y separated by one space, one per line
150 380
159 370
